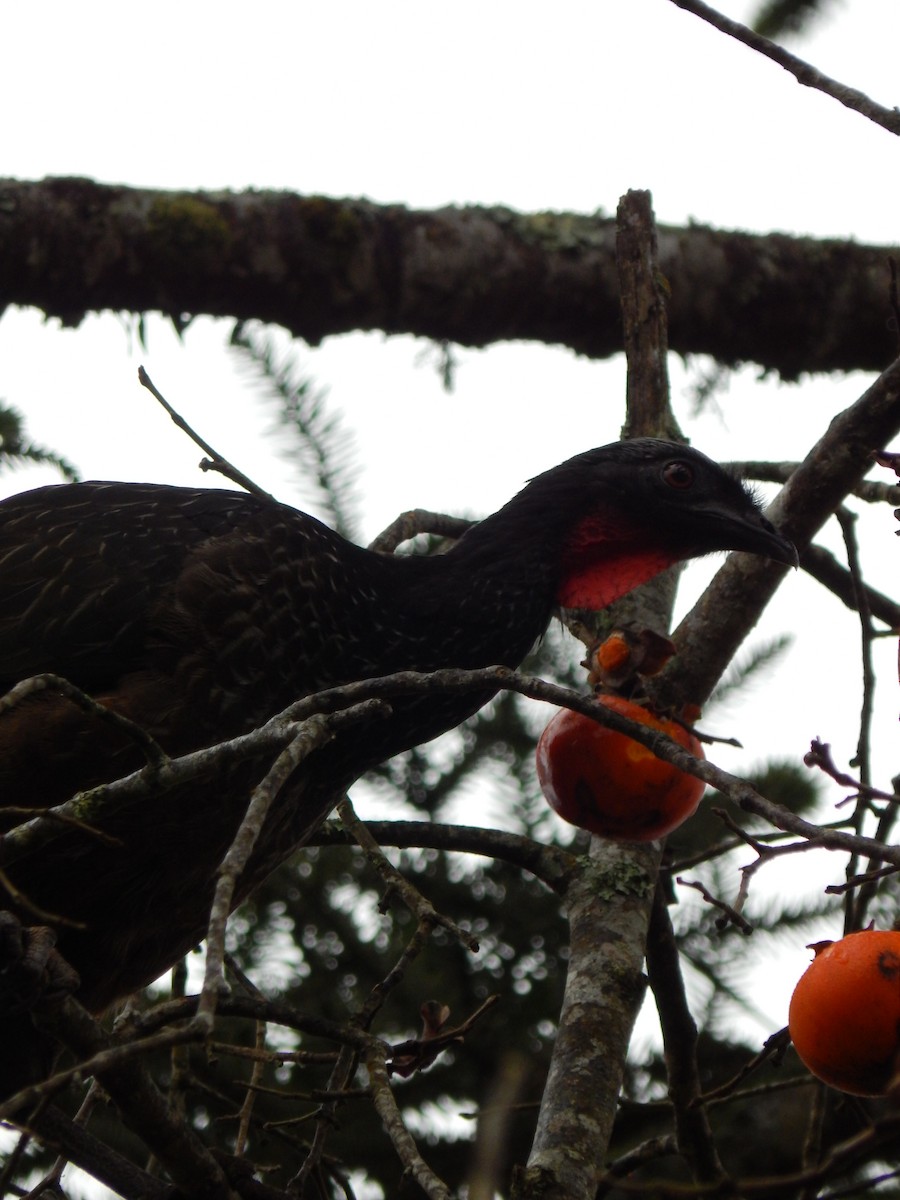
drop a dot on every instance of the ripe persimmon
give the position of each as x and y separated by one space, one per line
844 1016
610 784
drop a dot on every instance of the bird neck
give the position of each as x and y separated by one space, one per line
482 602
572 563
605 557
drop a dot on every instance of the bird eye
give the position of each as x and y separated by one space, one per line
678 475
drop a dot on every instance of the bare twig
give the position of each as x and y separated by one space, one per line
308 737
819 755
859 1148
50 1183
418 905
281 729
118 1067
251 1007
274 735
416 521
867 877
22 901
887 118
825 569
765 853
695 1139
108 1166
847 522
391 1119
341 1073
731 917
709 636
855 902
216 461
644 1152
410 1056
110 1055
243 1133
869 490
151 749
775 1047
551 864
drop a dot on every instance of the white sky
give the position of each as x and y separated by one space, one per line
561 106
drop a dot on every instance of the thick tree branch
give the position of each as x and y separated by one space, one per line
474 276
190 1164
607 906
105 1164
710 635
551 864
870 490
645 322
609 897
824 567
695 1140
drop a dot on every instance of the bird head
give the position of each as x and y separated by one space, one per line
636 507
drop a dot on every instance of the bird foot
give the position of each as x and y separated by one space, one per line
34 976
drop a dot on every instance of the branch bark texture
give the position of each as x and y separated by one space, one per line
320 266
607 905
711 633
609 896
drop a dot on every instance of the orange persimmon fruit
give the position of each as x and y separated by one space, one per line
610 784
844 1017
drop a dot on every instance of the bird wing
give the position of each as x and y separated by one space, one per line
81 566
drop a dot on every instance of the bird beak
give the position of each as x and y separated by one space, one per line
754 534
771 544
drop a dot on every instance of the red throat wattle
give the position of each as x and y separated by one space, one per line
605 558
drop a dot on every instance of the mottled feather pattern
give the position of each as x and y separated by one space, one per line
200 613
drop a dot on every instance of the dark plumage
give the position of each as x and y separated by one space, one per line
200 613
